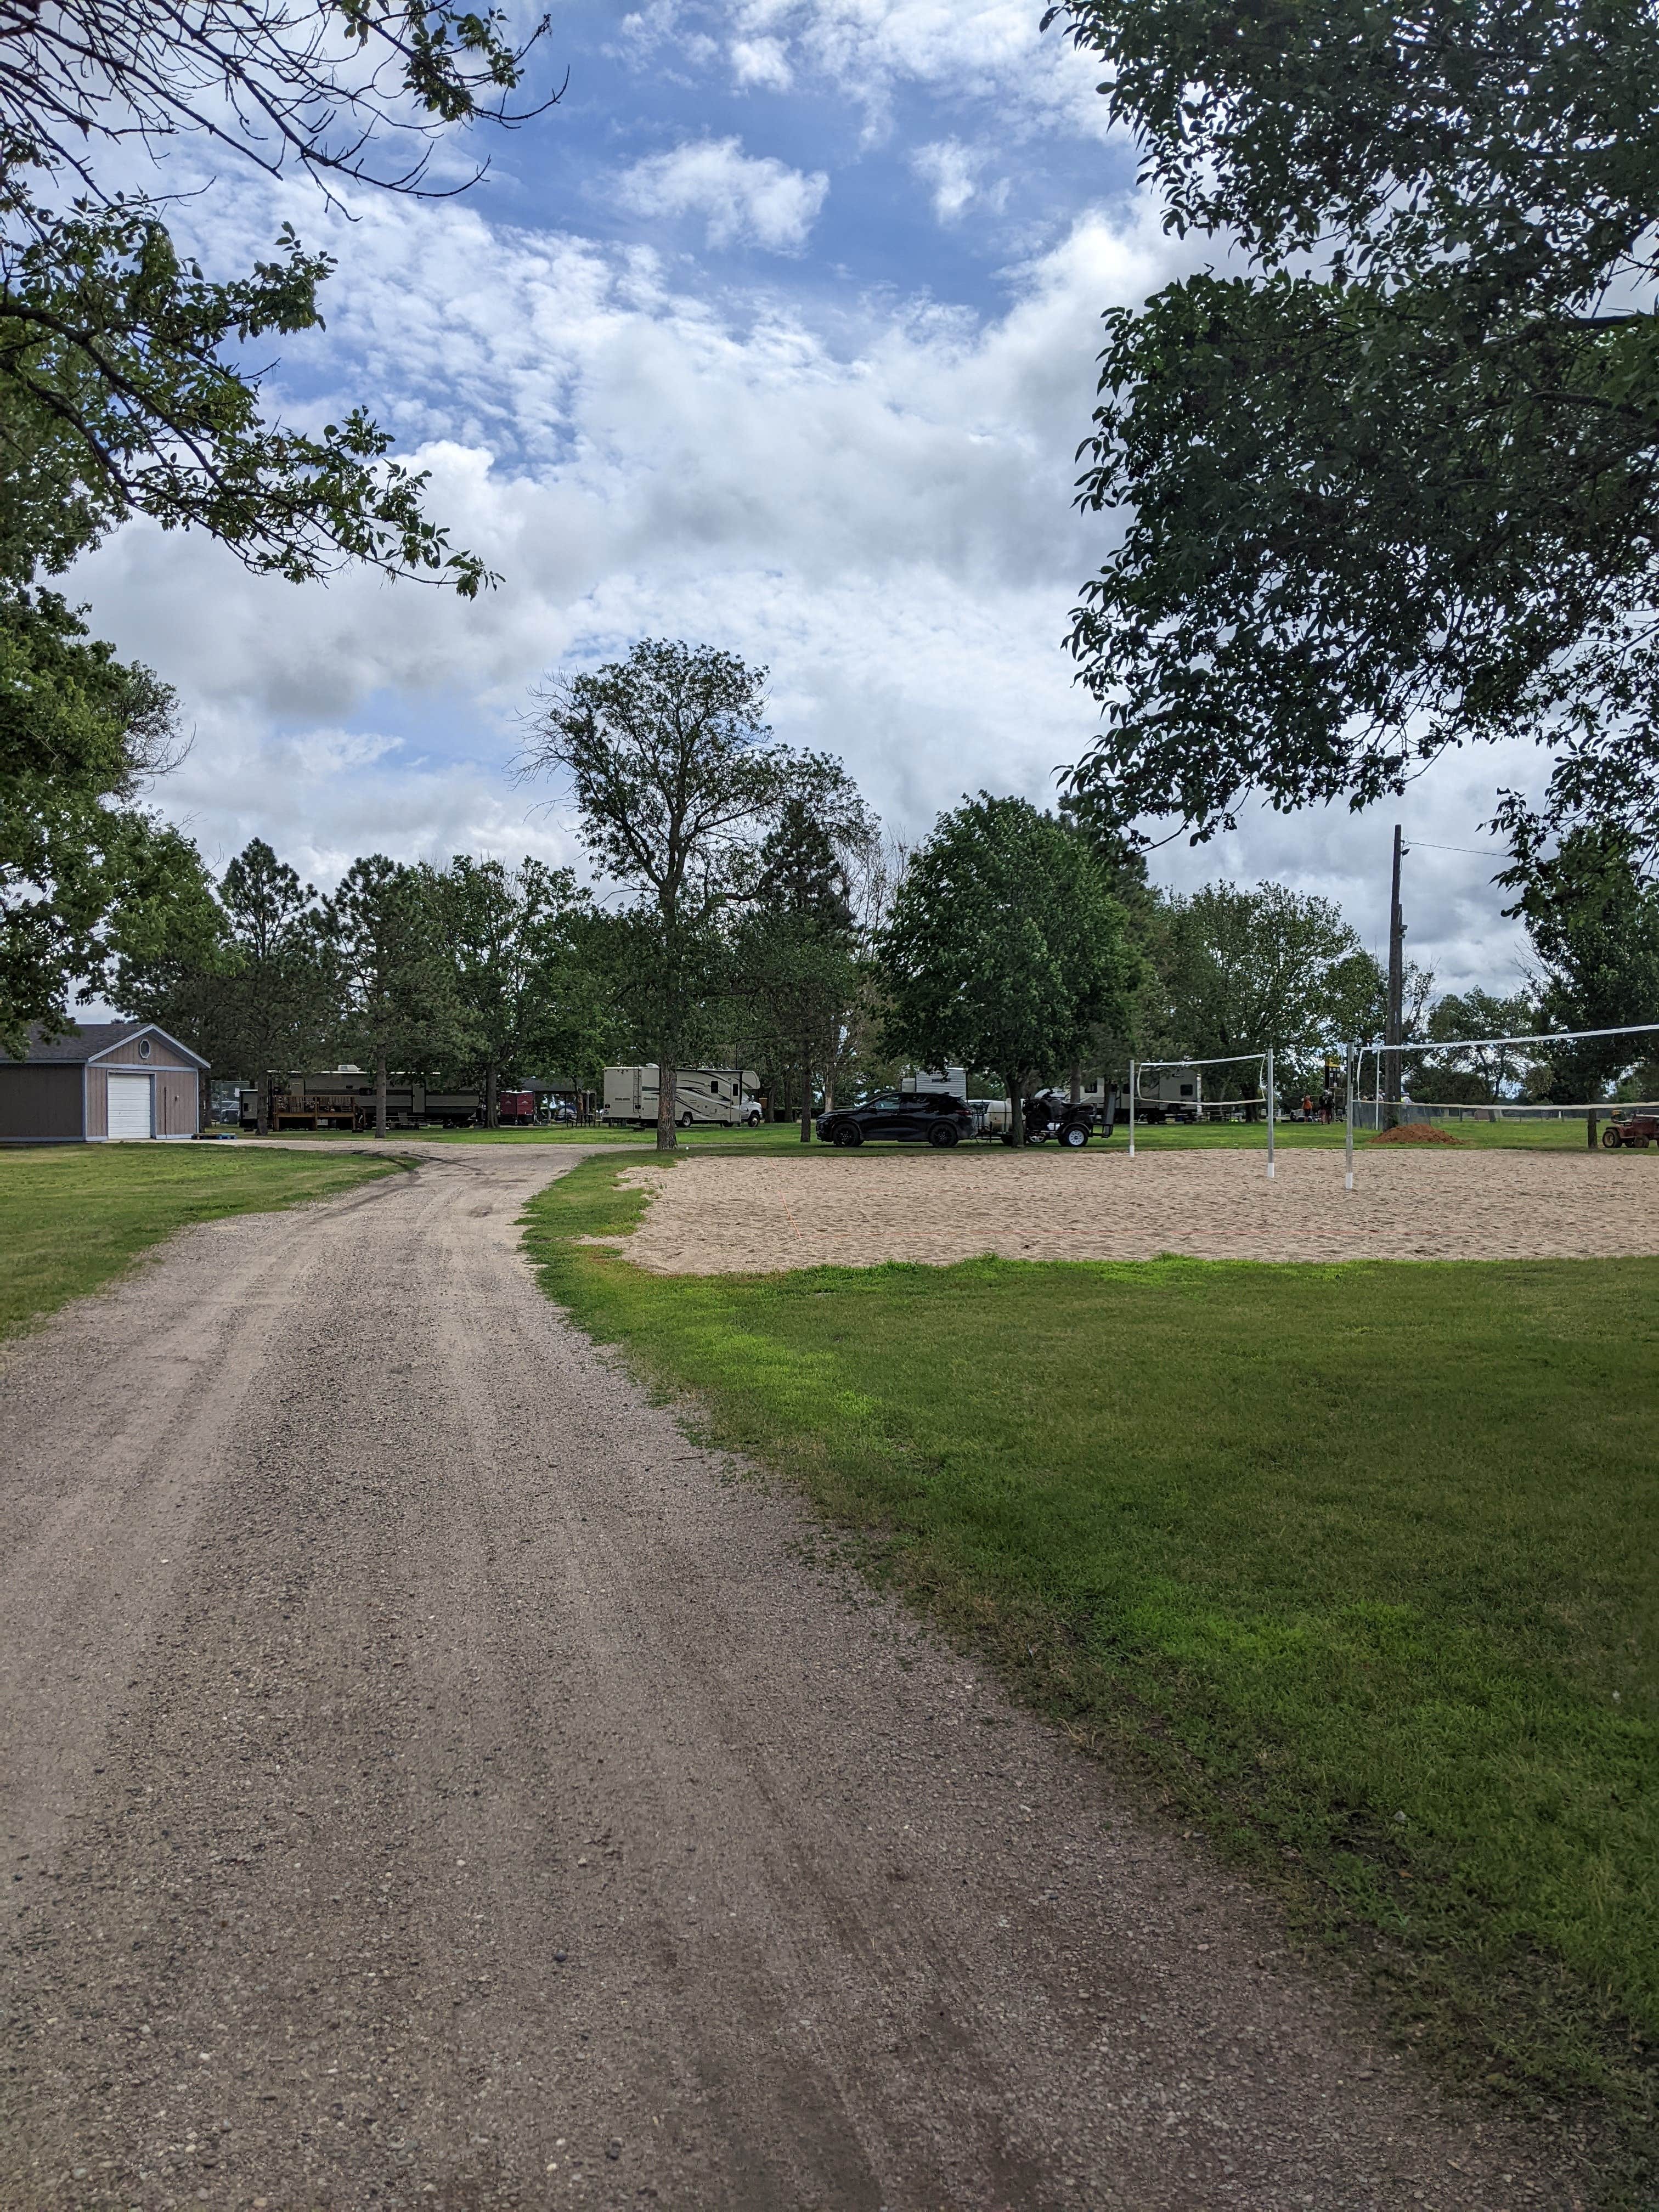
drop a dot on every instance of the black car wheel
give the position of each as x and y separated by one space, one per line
847 1134
1074 1134
685 1120
944 1134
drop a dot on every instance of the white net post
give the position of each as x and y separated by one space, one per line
1349 1079
1272 1105
1132 1109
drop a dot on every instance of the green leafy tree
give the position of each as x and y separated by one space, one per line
1391 487
383 925
1005 948
79 735
1479 1074
123 387
1248 967
274 992
795 955
513 941
669 762
1594 928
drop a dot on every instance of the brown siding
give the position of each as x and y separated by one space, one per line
39 1105
161 1054
175 1102
97 1103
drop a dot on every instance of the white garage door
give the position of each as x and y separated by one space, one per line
128 1106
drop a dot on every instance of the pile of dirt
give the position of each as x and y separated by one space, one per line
1414 1133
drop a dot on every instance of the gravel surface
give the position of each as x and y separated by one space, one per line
429 1780
752 1215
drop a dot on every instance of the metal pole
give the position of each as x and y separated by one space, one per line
1270 1116
1132 1109
1395 1029
1347 1087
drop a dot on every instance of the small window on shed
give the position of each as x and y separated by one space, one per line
143 1047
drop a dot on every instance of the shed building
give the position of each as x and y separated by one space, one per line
104 1083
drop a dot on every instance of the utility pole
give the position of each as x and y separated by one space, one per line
1393 1033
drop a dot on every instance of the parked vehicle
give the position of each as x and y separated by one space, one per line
937 1082
344 1098
903 1117
711 1095
1071 1123
1637 1131
1168 1095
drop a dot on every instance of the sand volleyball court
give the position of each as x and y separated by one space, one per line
761 1214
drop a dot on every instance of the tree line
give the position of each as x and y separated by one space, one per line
753 913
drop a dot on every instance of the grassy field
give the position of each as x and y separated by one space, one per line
1357 1562
71 1217
785 1137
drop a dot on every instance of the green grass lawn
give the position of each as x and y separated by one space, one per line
72 1217
1358 1561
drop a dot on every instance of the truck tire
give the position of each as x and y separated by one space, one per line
1075 1134
685 1120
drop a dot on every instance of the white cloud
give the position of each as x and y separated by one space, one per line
953 171
762 64
876 504
743 200
959 49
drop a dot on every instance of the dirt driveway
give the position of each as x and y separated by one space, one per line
429 1780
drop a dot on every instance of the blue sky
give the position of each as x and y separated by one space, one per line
777 331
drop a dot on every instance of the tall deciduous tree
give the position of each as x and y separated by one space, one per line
1005 947
79 735
669 761
398 1006
1595 928
512 937
1246 967
1391 486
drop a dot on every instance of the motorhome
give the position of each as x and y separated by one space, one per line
713 1096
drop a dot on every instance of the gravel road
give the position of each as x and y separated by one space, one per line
429 1780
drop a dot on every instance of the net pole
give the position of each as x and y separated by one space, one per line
1271 1103
1347 1096
1132 1109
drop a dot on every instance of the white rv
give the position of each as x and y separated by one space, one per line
933 1082
1169 1094
713 1096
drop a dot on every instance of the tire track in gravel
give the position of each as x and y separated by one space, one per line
429 1779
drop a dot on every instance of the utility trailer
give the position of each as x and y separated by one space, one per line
344 1098
712 1096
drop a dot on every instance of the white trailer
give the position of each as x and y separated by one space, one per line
712 1096
1175 1094
934 1082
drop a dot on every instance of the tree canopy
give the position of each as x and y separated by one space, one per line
1005 949
669 763
1388 485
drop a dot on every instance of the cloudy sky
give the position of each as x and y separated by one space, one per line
777 332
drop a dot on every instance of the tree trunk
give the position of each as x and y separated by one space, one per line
1016 1083
262 1106
666 1139
805 1093
380 1094
492 1096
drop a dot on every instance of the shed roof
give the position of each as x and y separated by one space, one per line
91 1040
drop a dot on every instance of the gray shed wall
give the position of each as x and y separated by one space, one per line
97 1103
39 1105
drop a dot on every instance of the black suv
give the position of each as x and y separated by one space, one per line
905 1117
